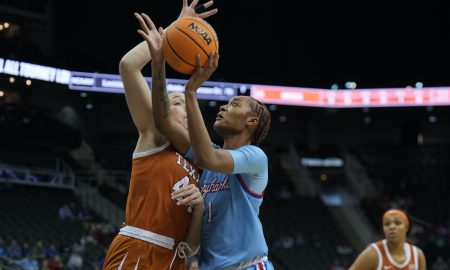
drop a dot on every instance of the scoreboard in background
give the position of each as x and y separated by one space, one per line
111 83
222 91
352 98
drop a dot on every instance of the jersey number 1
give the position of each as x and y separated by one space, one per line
209 212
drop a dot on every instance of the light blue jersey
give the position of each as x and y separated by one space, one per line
231 231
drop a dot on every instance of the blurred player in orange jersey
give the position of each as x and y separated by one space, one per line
394 252
158 226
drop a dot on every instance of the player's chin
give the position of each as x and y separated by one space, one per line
219 124
184 123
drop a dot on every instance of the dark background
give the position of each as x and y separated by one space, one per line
299 43
293 43
307 43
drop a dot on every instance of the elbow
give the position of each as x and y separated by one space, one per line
124 65
129 64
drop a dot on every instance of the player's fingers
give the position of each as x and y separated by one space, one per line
185 191
161 32
179 193
213 60
198 200
193 4
208 13
142 22
216 60
188 200
197 61
148 21
142 34
208 4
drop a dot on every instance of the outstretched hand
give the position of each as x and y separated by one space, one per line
202 74
188 195
153 36
193 10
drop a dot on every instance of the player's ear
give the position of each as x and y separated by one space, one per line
252 120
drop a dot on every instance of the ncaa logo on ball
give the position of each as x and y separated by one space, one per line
201 32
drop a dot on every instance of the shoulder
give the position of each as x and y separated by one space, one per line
152 150
250 155
366 260
149 140
372 251
370 254
252 150
420 253
421 260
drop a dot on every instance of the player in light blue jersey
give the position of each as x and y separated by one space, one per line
234 178
232 235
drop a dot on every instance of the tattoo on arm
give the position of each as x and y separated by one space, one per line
162 92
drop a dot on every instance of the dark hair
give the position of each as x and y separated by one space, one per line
264 121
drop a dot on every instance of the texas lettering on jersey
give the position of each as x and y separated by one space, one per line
187 167
185 180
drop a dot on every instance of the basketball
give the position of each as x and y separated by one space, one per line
184 39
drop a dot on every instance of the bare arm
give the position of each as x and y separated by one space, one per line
367 260
190 195
137 94
171 129
422 261
206 156
194 232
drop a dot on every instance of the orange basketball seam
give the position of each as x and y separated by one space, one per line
176 27
207 26
175 52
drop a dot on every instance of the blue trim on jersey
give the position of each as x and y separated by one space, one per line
247 189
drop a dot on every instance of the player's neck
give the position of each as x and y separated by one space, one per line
234 142
395 247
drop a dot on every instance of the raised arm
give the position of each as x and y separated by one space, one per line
206 156
172 130
137 94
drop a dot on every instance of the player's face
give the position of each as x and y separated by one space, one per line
178 108
233 116
394 228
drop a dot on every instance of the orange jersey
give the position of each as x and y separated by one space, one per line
386 262
155 174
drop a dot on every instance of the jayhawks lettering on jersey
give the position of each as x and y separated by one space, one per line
231 230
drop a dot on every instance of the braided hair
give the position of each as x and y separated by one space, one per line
263 114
